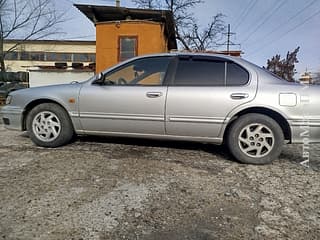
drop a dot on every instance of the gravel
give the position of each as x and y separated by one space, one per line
111 188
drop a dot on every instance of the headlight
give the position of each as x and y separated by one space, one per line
8 99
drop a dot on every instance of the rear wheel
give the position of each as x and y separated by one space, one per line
49 125
255 139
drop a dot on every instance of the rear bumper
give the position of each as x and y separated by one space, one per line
303 131
12 117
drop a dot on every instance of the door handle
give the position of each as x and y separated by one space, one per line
238 96
154 94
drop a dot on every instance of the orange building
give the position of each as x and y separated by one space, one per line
122 33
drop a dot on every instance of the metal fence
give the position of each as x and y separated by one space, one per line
14 77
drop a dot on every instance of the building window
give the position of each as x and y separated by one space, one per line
11 55
31 56
24 56
84 57
63 57
51 56
36 56
127 47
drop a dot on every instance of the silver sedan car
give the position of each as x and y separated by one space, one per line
194 97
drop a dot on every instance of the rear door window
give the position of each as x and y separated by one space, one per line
236 75
200 72
209 72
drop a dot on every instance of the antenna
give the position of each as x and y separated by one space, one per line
228 43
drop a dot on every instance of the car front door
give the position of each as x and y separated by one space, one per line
129 99
202 93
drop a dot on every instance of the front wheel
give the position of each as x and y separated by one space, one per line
49 125
255 139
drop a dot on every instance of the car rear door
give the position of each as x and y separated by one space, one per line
203 91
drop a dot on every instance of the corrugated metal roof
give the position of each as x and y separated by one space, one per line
98 13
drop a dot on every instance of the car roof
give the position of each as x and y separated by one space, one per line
182 53
190 54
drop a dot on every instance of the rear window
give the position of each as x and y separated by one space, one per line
236 75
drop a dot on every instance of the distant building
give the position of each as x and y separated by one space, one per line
306 78
50 62
46 53
122 33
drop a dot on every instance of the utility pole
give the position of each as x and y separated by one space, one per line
228 38
229 43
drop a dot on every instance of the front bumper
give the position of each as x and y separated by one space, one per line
12 117
305 131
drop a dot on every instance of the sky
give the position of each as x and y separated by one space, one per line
263 28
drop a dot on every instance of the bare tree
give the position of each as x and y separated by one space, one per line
26 20
188 31
147 3
207 37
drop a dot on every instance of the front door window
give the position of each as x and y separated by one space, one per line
147 71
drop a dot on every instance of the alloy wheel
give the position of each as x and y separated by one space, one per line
256 140
46 126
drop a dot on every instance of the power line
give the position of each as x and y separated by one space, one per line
273 10
287 32
245 13
295 15
298 25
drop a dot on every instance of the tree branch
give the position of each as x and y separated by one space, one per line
33 19
188 32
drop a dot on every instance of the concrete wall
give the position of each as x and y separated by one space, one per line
43 78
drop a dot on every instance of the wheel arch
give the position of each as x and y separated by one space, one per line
33 104
283 123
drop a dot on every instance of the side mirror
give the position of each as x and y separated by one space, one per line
99 78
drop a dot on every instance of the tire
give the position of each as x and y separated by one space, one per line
255 139
49 125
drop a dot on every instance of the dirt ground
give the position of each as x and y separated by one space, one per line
111 188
